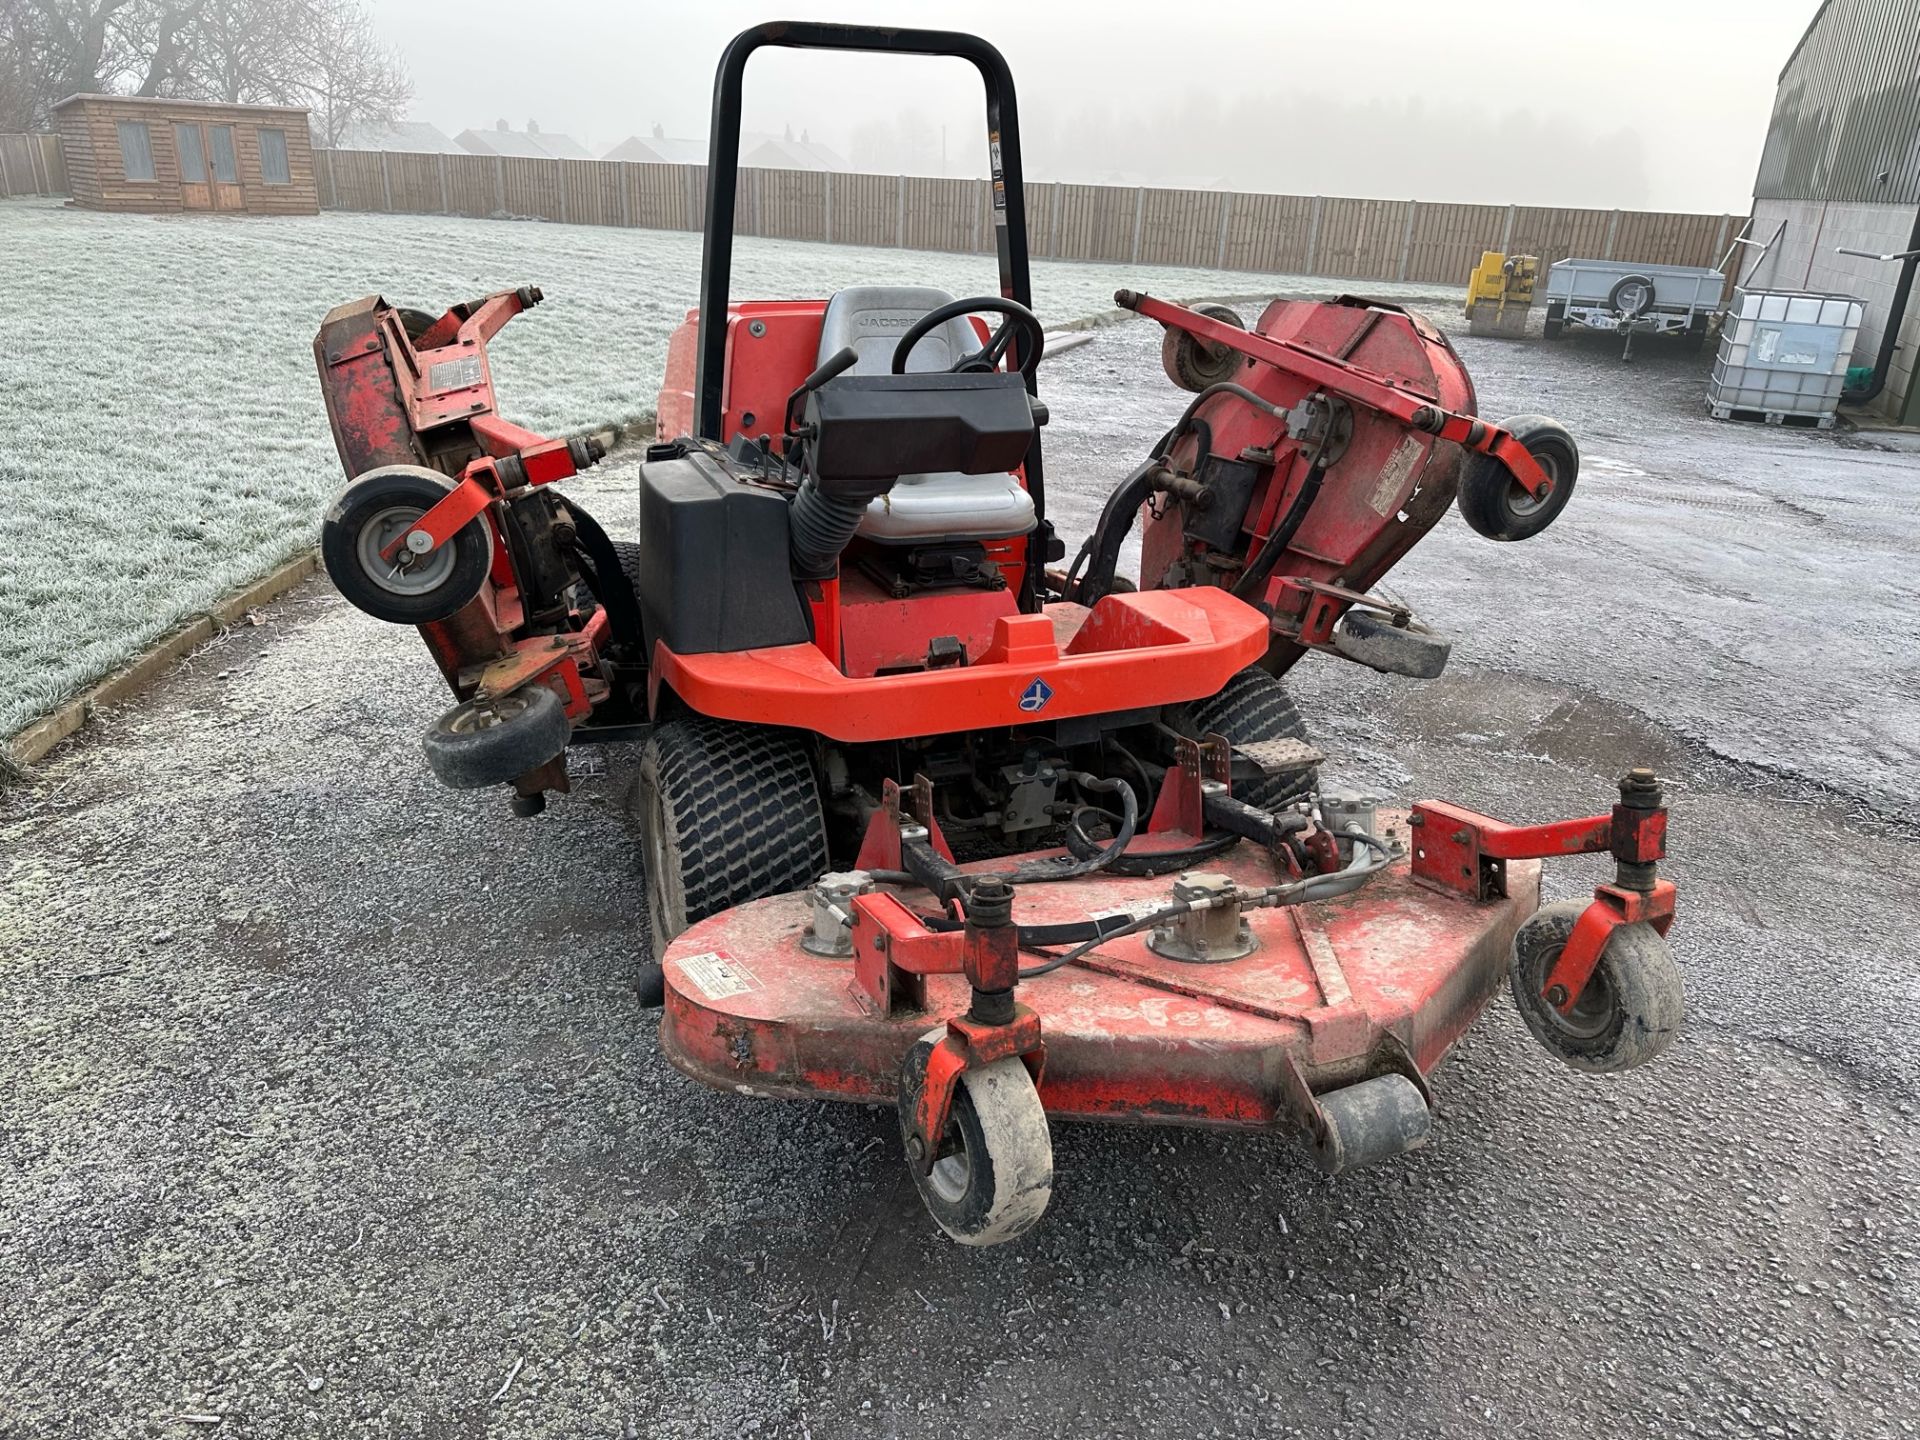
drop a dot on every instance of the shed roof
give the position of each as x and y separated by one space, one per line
168 103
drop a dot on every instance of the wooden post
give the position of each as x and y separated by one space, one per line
1506 235
900 221
1313 238
500 184
1226 218
1406 239
446 206
827 209
1139 213
386 183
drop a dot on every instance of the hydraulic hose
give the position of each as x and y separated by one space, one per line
1255 575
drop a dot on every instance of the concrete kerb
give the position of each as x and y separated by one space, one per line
31 745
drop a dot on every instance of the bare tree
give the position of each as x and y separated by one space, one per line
321 54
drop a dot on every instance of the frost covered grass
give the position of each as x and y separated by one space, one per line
162 438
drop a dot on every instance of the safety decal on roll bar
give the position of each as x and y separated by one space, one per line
719 976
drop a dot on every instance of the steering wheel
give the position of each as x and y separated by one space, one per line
1021 323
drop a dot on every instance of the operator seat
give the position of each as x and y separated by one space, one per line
946 505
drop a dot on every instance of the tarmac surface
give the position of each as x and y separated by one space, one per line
325 1108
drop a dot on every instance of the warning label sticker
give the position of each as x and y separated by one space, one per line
719 976
1385 499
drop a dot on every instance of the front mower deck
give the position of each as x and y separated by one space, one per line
1336 992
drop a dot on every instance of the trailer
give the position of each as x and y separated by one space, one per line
1623 297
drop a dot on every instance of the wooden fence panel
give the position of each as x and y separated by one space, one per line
1270 233
413 184
665 197
940 214
866 209
356 179
1097 222
591 192
1180 227
1361 239
472 184
33 164
1448 240
791 204
532 188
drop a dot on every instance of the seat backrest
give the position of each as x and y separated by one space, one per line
872 318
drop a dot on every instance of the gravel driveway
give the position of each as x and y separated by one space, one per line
325 1109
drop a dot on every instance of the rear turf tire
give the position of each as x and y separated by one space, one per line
1252 706
728 813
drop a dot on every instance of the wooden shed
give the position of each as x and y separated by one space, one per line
129 153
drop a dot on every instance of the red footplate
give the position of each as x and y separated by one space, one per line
1400 969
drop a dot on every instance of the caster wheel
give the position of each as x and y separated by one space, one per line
1631 1008
1496 505
994 1173
370 514
490 742
1193 364
1372 1121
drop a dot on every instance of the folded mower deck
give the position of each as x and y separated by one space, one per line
1381 981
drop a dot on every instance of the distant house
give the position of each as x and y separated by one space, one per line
788 154
414 137
532 143
659 148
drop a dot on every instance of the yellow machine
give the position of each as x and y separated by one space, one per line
1500 294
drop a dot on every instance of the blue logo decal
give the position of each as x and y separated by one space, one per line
1036 695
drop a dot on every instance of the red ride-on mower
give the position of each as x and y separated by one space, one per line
927 822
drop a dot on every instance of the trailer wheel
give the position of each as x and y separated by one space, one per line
1497 505
993 1176
1631 1008
728 813
1193 364
1252 706
491 742
370 514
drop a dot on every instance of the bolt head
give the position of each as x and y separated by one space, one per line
1556 995
916 1149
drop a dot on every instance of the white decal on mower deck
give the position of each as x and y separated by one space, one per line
1385 499
719 976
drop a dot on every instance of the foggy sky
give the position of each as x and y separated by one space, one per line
1422 99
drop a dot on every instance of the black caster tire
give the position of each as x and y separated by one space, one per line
650 985
1251 707
993 1175
415 322
1370 1122
1193 364
1631 1009
368 515
493 742
1497 505
728 813
1373 640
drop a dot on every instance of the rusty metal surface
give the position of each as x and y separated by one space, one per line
1130 1035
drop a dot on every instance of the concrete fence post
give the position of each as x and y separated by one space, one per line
1053 243
1613 230
1506 235
1313 238
446 205
1226 218
386 183
827 209
499 185
37 164
6 181
900 216
1139 214
1406 239
979 204
560 184
623 176
1720 241
333 186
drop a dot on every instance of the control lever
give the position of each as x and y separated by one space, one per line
836 364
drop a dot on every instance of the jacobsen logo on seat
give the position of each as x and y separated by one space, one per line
1036 695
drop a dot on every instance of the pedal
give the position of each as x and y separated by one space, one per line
1273 758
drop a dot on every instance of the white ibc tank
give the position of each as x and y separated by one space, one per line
1783 354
